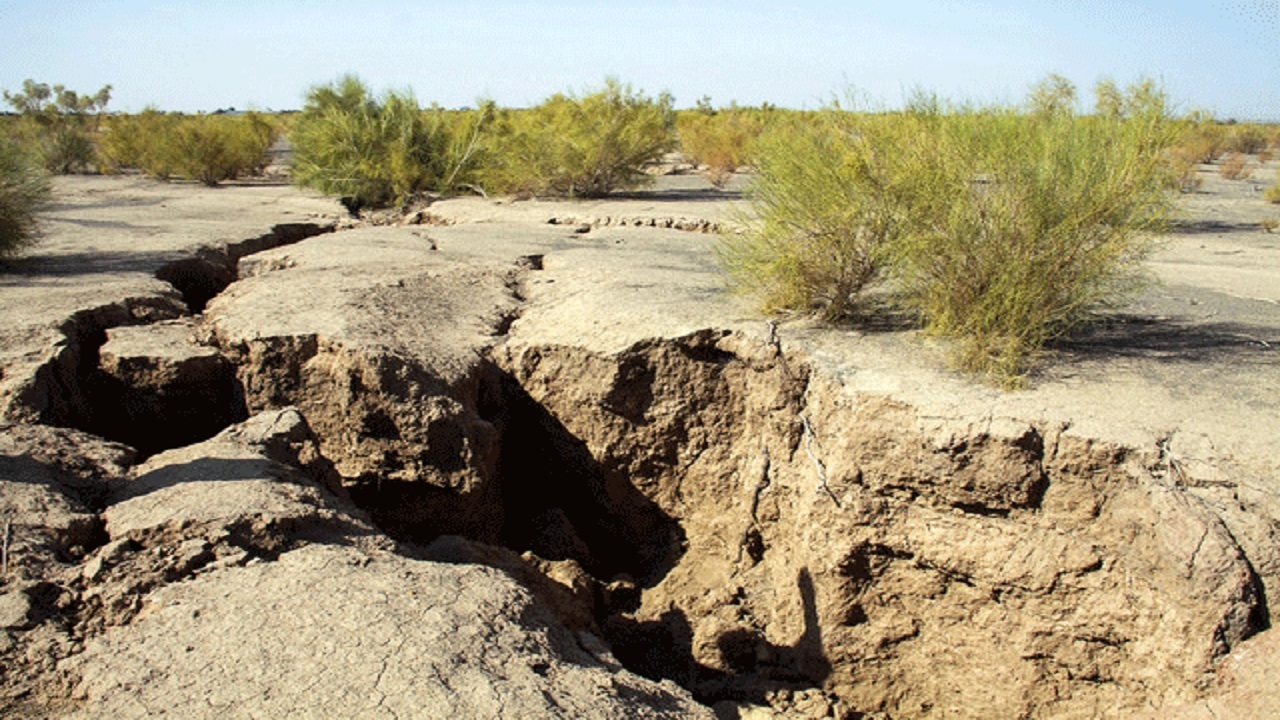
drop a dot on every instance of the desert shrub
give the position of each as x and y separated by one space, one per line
822 213
1028 224
24 190
719 140
1184 167
58 124
1053 95
1235 166
207 148
574 146
1272 193
136 141
212 149
1001 229
374 152
1246 138
1201 140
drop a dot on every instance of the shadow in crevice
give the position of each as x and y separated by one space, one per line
1216 227
752 666
699 194
1144 337
37 268
559 502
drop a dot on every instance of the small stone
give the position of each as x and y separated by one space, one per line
15 610
93 569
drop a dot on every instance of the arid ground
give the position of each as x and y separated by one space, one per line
501 458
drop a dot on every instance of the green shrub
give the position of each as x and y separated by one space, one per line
24 190
1247 138
207 148
721 141
578 146
59 124
1028 224
823 213
374 152
212 149
1001 229
137 141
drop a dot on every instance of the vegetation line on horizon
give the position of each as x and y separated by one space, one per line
999 228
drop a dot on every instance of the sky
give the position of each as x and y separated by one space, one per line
1222 56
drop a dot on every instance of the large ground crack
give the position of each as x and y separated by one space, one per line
152 390
724 515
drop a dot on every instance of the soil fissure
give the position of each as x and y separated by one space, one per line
734 520
162 394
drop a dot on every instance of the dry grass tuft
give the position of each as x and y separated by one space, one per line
1235 166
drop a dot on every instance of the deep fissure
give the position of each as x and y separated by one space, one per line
691 453
176 406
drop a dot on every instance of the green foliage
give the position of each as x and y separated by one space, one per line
1247 138
578 146
40 100
58 124
1026 225
373 152
1054 95
1000 229
24 190
206 148
137 141
823 213
212 149
721 141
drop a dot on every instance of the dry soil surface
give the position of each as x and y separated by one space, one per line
528 458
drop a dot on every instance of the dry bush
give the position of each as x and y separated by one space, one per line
1202 140
1235 166
1272 193
1184 169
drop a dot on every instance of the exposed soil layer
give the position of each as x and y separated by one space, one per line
133 394
750 530
708 515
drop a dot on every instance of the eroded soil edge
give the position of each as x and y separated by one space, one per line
716 510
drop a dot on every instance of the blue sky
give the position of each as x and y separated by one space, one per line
190 55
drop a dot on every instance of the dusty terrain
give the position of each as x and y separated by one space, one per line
528 458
